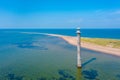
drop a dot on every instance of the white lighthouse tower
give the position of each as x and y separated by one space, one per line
79 65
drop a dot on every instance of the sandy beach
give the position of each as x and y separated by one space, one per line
72 40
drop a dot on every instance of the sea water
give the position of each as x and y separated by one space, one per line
39 57
92 33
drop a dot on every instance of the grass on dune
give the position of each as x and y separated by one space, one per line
103 42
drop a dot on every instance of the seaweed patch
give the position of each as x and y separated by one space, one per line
118 76
42 78
65 75
14 77
90 74
31 45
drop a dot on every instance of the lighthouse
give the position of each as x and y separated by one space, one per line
78 48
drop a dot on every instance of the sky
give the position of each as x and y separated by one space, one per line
59 13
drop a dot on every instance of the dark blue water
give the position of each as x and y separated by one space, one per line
93 33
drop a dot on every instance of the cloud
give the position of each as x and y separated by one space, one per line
75 20
116 12
96 18
98 11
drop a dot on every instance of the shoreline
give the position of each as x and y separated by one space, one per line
72 40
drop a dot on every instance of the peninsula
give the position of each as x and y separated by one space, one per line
108 46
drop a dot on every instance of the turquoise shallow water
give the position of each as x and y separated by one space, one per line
40 57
